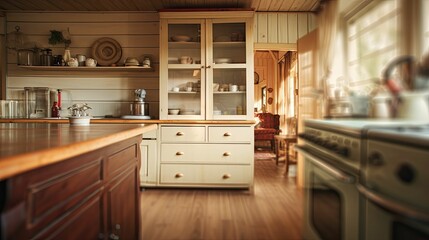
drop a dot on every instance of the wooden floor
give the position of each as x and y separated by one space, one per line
273 211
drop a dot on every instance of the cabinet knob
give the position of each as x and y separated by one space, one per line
180 153
202 66
227 134
180 133
226 154
226 176
209 66
179 175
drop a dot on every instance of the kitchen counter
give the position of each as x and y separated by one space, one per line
26 146
125 121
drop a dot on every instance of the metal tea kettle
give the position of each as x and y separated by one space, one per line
409 101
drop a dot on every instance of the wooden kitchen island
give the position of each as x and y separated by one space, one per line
70 182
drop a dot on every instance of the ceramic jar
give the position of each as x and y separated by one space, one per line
90 62
72 62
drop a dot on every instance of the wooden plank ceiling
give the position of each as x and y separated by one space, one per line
155 5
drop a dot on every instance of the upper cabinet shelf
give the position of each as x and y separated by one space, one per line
89 69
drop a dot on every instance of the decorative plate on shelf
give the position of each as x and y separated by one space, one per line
106 51
256 78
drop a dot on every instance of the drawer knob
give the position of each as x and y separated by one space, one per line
180 133
226 176
226 154
180 153
227 134
179 175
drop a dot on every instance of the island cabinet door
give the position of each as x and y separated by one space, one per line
122 176
123 215
60 201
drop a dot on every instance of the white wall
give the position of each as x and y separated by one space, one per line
108 93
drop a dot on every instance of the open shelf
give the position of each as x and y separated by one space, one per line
90 69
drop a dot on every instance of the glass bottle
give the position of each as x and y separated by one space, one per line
66 56
55 110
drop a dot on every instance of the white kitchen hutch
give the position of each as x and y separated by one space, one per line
206 72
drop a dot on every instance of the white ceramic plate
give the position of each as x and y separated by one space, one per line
223 60
187 112
181 38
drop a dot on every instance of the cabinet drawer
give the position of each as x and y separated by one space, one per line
207 153
230 134
183 134
205 174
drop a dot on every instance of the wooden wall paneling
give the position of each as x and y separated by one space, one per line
272 28
292 27
312 22
84 41
258 87
86 82
89 28
106 92
16 71
262 28
102 95
75 17
255 27
282 28
302 24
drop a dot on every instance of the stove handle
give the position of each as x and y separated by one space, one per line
392 206
338 174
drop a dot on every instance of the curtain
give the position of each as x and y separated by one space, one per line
327 20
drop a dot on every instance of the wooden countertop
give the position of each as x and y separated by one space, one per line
126 121
26 146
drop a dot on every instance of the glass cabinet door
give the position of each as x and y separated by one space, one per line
206 69
227 70
185 84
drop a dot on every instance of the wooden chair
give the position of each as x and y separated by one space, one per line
268 127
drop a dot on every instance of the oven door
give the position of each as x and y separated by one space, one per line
386 219
331 201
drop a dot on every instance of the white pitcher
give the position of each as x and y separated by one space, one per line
414 105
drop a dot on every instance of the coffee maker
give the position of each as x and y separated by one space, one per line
37 102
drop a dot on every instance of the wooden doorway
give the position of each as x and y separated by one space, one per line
277 71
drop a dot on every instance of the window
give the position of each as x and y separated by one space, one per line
264 99
372 41
425 26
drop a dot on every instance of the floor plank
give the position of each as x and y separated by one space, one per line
273 211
